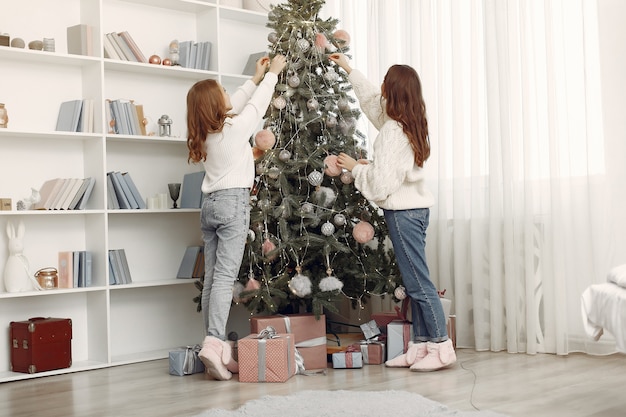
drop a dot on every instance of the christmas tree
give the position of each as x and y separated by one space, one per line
313 237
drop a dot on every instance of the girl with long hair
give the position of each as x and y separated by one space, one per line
219 128
394 181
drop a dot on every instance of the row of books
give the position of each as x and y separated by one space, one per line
119 272
192 264
65 194
75 269
196 55
122 46
76 116
125 117
122 193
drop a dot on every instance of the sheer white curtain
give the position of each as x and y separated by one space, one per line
512 90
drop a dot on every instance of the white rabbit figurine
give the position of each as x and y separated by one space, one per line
17 276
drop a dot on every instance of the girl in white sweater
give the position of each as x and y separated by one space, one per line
394 180
219 129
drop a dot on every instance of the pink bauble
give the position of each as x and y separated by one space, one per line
342 37
363 232
321 43
267 247
252 285
331 168
264 139
167 62
257 153
155 59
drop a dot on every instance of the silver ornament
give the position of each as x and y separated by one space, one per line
339 220
331 75
279 103
346 177
343 104
312 104
273 172
303 45
264 204
307 208
400 292
294 81
331 121
260 169
315 178
284 155
272 37
251 235
328 229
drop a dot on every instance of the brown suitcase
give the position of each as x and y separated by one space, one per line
41 344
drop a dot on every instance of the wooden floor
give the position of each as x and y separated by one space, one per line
515 384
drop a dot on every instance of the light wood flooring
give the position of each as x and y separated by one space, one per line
576 385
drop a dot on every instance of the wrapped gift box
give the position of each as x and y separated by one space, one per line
399 334
267 358
185 361
347 360
373 352
309 334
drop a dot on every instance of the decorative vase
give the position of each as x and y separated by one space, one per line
4 117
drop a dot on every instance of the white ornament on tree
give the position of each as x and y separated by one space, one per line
315 178
300 284
328 229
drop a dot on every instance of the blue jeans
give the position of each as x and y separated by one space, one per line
407 230
225 220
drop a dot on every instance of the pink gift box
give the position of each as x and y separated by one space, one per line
270 359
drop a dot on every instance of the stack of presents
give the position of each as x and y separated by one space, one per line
281 346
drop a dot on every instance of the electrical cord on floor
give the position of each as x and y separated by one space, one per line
471 399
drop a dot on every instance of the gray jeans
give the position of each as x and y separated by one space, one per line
225 220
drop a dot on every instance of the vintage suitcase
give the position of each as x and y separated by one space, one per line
41 344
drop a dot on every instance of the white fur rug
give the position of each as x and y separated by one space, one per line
345 404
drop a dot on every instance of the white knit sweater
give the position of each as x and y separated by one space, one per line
393 181
229 162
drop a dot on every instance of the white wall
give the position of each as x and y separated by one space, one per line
611 16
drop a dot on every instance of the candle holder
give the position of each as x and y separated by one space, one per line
174 193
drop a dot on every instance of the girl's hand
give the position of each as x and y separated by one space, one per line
346 161
261 66
278 64
341 60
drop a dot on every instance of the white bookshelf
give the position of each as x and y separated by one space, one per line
112 324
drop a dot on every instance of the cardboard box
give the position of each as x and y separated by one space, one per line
309 334
267 359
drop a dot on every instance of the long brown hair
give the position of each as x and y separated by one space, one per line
206 111
402 91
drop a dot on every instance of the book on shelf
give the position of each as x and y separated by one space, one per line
250 67
198 269
75 268
188 263
139 56
122 46
86 117
65 194
124 117
68 119
66 269
123 192
119 270
87 270
134 190
82 196
80 40
191 194
196 55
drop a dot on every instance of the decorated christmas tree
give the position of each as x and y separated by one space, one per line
313 237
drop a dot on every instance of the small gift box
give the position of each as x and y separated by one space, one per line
267 357
351 358
373 352
308 331
370 329
399 334
185 361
